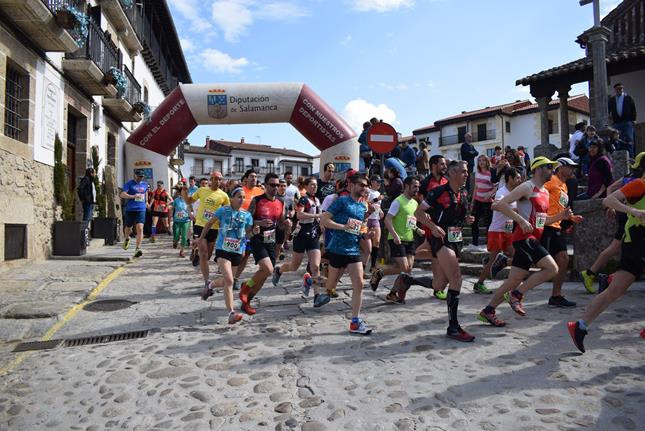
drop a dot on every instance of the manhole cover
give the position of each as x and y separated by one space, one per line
108 305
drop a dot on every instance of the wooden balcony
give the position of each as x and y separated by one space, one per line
36 18
117 15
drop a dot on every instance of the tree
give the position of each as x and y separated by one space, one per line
62 194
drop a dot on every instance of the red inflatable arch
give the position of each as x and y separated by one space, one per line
190 105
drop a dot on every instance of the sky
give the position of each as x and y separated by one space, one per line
408 62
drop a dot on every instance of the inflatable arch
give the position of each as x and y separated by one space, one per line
190 105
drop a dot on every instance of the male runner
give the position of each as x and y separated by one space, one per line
135 192
530 218
268 213
443 211
629 199
210 199
344 218
326 184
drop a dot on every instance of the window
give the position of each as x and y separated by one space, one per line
490 152
551 126
16 102
461 132
15 241
508 126
304 171
270 166
288 168
198 169
255 163
239 164
481 132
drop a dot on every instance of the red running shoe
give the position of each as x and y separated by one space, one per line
577 335
233 318
515 300
643 333
491 318
246 307
459 335
244 292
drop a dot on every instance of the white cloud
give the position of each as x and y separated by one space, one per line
280 11
358 111
221 62
190 9
380 5
397 87
187 45
346 40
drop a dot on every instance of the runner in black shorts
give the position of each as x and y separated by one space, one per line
444 211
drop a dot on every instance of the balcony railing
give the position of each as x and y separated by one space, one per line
54 5
627 23
448 140
454 139
135 16
490 134
133 93
98 48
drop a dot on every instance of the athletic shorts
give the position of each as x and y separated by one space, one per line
304 243
527 253
437 244
210 236
134 217
499 241
406 248
234 258
632 258
621 220
372 223
280 236
341 261
261 249
160 214
554 240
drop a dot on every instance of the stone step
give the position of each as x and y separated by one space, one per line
95 243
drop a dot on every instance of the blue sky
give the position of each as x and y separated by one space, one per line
409 62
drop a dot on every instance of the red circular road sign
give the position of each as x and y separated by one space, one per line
382 138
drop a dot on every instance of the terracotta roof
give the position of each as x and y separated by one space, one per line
407 138
202 150
584 65
227 146
578 103
426 129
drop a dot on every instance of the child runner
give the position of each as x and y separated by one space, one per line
180 220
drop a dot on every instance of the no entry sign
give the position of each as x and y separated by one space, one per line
382 138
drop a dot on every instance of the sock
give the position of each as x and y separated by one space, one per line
250 282
489 309
582 325
517 294
355 319
153 230
453 304
277 269
374 256
590 272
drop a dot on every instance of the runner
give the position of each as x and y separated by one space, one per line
235 224
500 243
210 199
280 234
180 220
629 199
159 202
531 217
444 211
482 200
344 219
374 197
554 238
326 184
306 240
135 192
268 213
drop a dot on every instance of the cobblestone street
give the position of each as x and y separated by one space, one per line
295 367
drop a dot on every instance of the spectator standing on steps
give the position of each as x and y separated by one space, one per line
622 110
468 154
87 194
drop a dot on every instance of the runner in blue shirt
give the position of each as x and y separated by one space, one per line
136 193
180 220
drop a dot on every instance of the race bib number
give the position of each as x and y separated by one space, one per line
181 214
411 222
232 245
540 220
208 214
354 226
508 226
268 236
139 197
564 200
454 234
159 208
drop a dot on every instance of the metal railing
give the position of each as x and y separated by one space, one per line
135 17
490 134
448 140
54 5
133 93
98 48
454 139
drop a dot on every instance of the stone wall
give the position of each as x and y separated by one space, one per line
27 196
592 235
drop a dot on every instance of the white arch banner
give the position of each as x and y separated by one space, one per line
190 105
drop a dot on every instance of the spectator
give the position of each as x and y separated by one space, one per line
622 110
514 160
617 144
423 160
468 152
87 194
326 183
573 140
408 157
393 185
365 150
599 172
524 154
398 165
482 199
582 147
497 156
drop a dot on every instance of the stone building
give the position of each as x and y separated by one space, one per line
87 71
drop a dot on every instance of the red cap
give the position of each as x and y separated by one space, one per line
350 173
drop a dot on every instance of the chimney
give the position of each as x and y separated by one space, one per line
208 139
242 140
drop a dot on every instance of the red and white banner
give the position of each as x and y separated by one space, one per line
190 105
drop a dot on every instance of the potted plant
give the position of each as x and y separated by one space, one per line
117 78
70 236
76 21
102 226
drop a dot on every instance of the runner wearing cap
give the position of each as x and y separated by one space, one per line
159 202
554 238
135 192
630 199
444 211
210 199
530 218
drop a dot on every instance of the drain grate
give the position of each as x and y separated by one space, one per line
108 305
37 345
100 339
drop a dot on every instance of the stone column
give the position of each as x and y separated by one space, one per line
598 37
545 148
563 94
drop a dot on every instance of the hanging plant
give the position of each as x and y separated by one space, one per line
142 108
117 78
71 18
126 4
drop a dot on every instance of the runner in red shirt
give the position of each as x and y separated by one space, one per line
530 218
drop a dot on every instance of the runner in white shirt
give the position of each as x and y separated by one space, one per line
374 197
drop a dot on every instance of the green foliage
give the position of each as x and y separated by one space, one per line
101 204
62 194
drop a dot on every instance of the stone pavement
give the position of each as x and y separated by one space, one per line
295 367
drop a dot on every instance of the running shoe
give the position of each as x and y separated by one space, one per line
244 293
175 244
320 300
643 333
126 243
587 280
207 292
307 282
359 328
480 288
181 253
560 302
275 279
441 294
500 262
577 335
138 253
393 298
194 257
153 239
400 293
332 293
459 335
281 256
490 318
603 282
246 307
376 279
234 317
515 300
